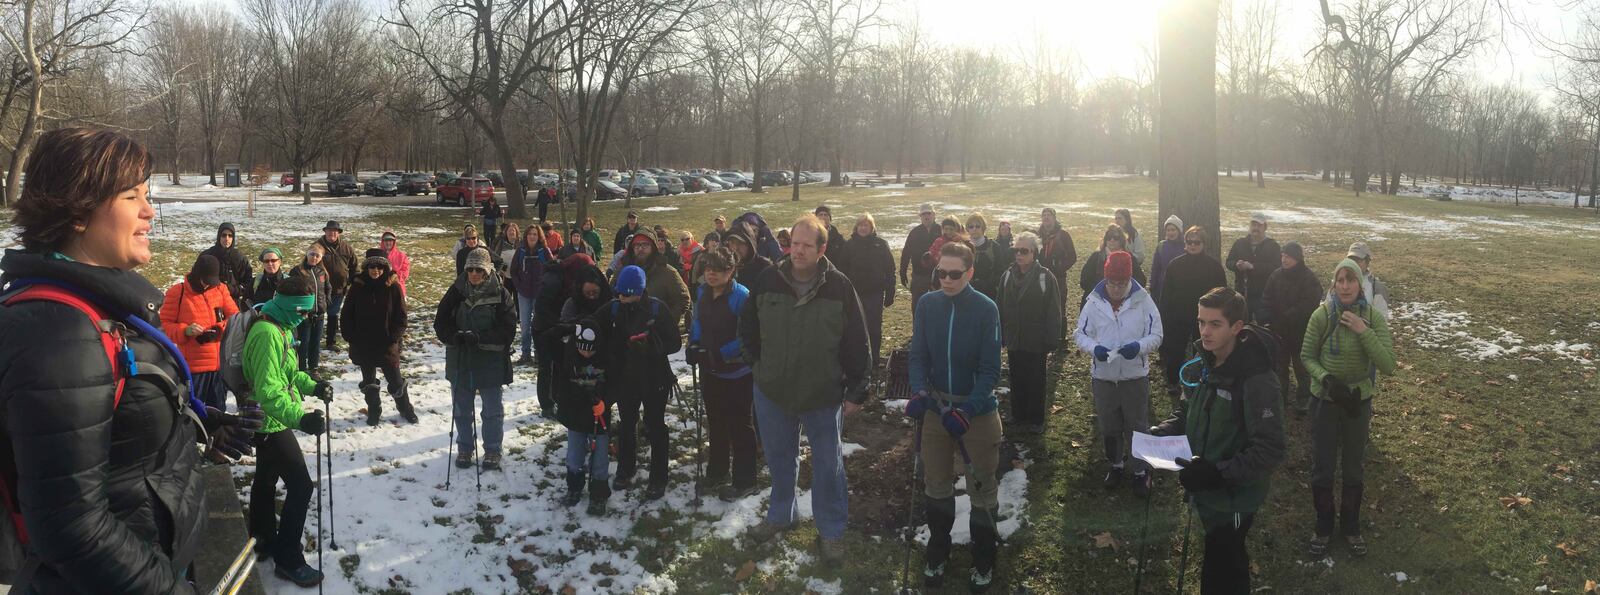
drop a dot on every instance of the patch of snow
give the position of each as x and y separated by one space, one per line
1399 577
1430 325
430 230
659 209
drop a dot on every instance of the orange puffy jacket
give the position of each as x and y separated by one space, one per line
184 306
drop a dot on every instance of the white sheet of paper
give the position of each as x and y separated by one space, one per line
1161 452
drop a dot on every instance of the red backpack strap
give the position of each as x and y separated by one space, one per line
110 339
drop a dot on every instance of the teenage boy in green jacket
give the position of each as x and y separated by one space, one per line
1233 418
278 384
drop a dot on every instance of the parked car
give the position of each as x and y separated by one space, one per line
810 177
380 186
395 175
776 178
609 190
737 179
640 185
694 184
494 178
670 185
710 183
286 179
415 183
465 191
609 174
442 178
343 185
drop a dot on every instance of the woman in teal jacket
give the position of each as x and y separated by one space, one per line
1346 345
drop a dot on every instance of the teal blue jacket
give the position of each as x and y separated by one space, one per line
955 348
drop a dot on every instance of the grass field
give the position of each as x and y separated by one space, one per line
1484 469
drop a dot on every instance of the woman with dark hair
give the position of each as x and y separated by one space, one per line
1094 270
374 329
490 211
1135 243
592 237
714 346
194 314
527 272
308 335
98 523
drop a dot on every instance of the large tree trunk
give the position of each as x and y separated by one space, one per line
1188 71
19 158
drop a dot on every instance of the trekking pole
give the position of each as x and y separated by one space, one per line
1183 563
333 533
911 509
238 570
472 393
319 509
699 422
972 476
449 449
1144 527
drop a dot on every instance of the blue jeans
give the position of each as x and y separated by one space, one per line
525 318
309 333
599 463
780 439
461 393
209 388
335 306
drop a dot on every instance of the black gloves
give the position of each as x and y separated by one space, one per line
209 335
1199 475
323 391
697 355
230 434
312 423
466 339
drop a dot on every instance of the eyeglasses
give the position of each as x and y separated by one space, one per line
272 260
948 274
1193 243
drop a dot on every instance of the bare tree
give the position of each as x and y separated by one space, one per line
315 56
482 54
215 53
828 35
165 70
754 37
53 39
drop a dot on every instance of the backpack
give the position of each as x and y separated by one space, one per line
17 563
231 350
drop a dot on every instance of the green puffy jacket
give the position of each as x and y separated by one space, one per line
1331 349
274 375
808 351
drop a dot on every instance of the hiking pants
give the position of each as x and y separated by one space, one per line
1226 566
1028 398
655 432
278 456
729 422
1338 439
1121 407
941 458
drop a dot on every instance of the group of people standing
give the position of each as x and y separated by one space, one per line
781 335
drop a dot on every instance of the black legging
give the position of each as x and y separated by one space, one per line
1028 398
278 456
655 429
731 428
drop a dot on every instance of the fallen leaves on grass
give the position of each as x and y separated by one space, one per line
1466 426
1054 409
749 568
1517 501
1075 444
1105 540
1567 549
1493 383
1589 587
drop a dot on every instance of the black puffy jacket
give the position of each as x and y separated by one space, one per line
113 499
867 262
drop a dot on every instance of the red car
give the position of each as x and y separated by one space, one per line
286 180
465 191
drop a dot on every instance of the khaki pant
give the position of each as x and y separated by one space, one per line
941 458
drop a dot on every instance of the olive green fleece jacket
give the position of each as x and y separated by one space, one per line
1331 349
274 375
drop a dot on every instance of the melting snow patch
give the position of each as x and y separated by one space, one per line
1399 577
659 209
1431 326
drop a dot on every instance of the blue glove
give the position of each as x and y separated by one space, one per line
917 406
1101 353
955 422
1129 351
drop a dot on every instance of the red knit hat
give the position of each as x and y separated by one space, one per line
1119 266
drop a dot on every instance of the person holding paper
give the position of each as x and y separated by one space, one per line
1233 418
1120 327
955 365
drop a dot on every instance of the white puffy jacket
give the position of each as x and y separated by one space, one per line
1137 321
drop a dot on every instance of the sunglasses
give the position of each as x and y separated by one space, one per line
1193 243
1022 250
948 274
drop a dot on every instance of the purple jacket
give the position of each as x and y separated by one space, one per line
527 271
1168 250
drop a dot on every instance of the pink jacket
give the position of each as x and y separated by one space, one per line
401 265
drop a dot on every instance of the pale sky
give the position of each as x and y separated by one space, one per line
1111 36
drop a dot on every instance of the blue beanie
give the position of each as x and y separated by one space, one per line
630 281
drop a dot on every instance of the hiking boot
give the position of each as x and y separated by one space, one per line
933 575
402 402
464 459
574 490
980 580
599 493
525 360
621 483
655 491
832 550
304 576
1358 546
1141 484
765 532
1113 478
730 492
1318 547
491 461
374 405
